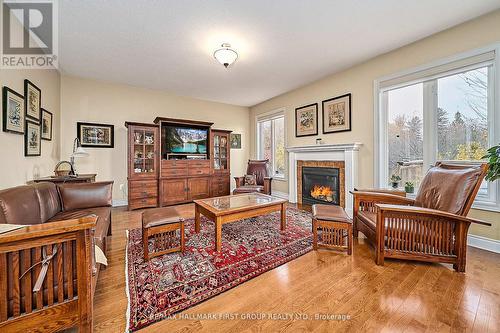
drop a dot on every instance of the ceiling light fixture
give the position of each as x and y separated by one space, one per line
226 55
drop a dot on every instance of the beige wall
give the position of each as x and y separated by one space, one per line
15 168
358 80
94 101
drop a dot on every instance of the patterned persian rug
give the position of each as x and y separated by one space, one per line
174 282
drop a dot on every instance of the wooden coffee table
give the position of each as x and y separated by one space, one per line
233 208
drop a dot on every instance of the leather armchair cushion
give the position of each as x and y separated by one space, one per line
85 195
259 169
48 197
19 205
249 189
368 218
447 188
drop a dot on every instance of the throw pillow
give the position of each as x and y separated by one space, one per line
250 180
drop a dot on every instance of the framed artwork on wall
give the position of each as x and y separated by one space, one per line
13 111
337 114
32 139
306 120
235 141
32 101
46 125
96 135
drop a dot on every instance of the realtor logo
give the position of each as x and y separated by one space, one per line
29 34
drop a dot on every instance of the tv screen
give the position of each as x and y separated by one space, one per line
184 140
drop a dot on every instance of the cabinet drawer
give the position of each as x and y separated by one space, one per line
139 193
142 203
199 163
199 172
174 172
169 164
142 184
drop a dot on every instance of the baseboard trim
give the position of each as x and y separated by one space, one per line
120 202
484 243
281 195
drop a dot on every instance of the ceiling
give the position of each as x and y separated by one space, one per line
282 44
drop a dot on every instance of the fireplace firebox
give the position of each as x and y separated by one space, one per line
320 185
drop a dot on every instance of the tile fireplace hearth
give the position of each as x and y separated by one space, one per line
341 156
320 185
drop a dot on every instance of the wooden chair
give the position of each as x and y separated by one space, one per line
431 228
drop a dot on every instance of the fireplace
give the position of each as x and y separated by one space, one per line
320 185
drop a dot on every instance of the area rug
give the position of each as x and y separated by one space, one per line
167 284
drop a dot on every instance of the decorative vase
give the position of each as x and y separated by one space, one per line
409 189
394 184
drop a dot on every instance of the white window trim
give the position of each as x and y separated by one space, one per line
380 117
276 113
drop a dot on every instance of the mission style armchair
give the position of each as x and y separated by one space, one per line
259 168
431 228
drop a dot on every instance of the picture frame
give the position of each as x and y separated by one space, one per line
32 139
46 125
336 114
235 141
32 101
306 120
13 113
95 135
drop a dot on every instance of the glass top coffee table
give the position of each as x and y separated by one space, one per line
233 208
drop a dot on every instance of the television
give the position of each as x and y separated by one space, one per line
179 140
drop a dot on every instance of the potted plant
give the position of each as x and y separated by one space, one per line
493 157
395 179
409 187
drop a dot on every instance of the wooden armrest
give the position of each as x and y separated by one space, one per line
380 190
48 229
428 212
268 178
239 181
383 198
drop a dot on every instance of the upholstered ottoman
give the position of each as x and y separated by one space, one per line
332 228
166 228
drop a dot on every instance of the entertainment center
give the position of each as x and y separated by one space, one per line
175 161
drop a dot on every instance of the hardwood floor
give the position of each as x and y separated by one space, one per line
400 296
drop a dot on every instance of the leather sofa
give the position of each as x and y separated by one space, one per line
47 202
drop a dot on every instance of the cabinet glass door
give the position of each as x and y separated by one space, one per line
220 152
144 151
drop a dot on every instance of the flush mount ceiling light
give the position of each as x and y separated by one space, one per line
226 55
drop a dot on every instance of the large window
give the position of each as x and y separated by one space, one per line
271 142
440 113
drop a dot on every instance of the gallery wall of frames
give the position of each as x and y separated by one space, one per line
23 114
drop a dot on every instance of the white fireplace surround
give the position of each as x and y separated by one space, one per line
325 152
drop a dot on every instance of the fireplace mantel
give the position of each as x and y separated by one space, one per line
325 152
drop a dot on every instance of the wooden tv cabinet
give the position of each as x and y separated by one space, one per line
167 181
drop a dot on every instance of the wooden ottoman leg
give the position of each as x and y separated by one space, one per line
315 233
349 239
182 236
145 238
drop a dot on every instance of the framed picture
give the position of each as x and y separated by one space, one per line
13 111
32 100
32 139
306 120
235 141
337 114
46 125
96 135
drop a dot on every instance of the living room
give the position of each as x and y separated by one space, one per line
250 166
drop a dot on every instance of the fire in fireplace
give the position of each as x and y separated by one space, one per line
320 185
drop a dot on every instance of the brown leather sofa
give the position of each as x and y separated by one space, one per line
260 169
46 202
63 223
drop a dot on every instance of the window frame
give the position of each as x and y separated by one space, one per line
490 201
271 116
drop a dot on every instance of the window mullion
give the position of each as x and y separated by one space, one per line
430 106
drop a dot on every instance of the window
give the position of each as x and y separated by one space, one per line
438 113
271 142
